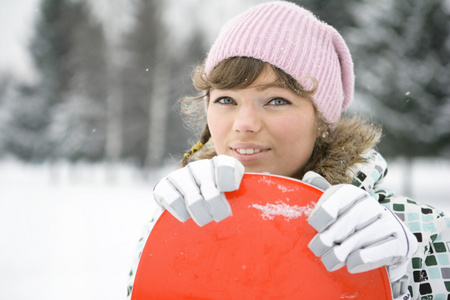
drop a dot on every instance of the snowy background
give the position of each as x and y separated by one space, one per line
69 230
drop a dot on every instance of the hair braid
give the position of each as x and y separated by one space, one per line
204 138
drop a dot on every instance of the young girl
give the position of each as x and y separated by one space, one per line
273 88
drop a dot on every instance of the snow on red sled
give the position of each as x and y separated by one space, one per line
261 252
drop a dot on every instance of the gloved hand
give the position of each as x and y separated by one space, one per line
197 190
355 230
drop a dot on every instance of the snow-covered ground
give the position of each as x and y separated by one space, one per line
69 232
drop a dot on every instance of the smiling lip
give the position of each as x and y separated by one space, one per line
247 152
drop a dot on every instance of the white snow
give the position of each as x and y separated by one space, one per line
270 211
347 296
70 232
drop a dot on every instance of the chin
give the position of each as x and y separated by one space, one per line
258 170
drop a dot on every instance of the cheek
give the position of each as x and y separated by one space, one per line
217 128
297 141
213 121
295 128
298 138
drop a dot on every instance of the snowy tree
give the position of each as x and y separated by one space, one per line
50 45
159 101
115 17
403 72
5 94
30 109
337 13
153 82
25 122
79 122
138 73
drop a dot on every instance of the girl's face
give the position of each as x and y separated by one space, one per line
267 127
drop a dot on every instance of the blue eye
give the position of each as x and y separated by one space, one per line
224 100
278 101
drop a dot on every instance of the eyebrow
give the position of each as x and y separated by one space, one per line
269 85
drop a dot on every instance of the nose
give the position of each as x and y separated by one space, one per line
247 119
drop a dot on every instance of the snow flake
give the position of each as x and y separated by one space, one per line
349 296
269 211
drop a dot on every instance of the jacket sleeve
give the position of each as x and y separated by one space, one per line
429 269
140 248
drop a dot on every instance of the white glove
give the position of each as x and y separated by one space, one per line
355 230
197 190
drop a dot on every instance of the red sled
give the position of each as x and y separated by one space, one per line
261 252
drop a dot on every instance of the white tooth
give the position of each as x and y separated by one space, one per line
248 151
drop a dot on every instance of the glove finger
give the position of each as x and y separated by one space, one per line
316 180
362 260
374 256
333 203
362 214
168 196
379 232
228 172
216 203
184 182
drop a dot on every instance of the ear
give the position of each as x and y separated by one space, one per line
322 127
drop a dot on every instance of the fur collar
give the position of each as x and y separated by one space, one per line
338 156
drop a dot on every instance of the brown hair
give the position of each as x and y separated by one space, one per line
234 73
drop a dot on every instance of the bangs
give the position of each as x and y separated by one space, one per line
235 73
241 72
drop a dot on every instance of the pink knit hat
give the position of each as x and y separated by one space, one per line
294 40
